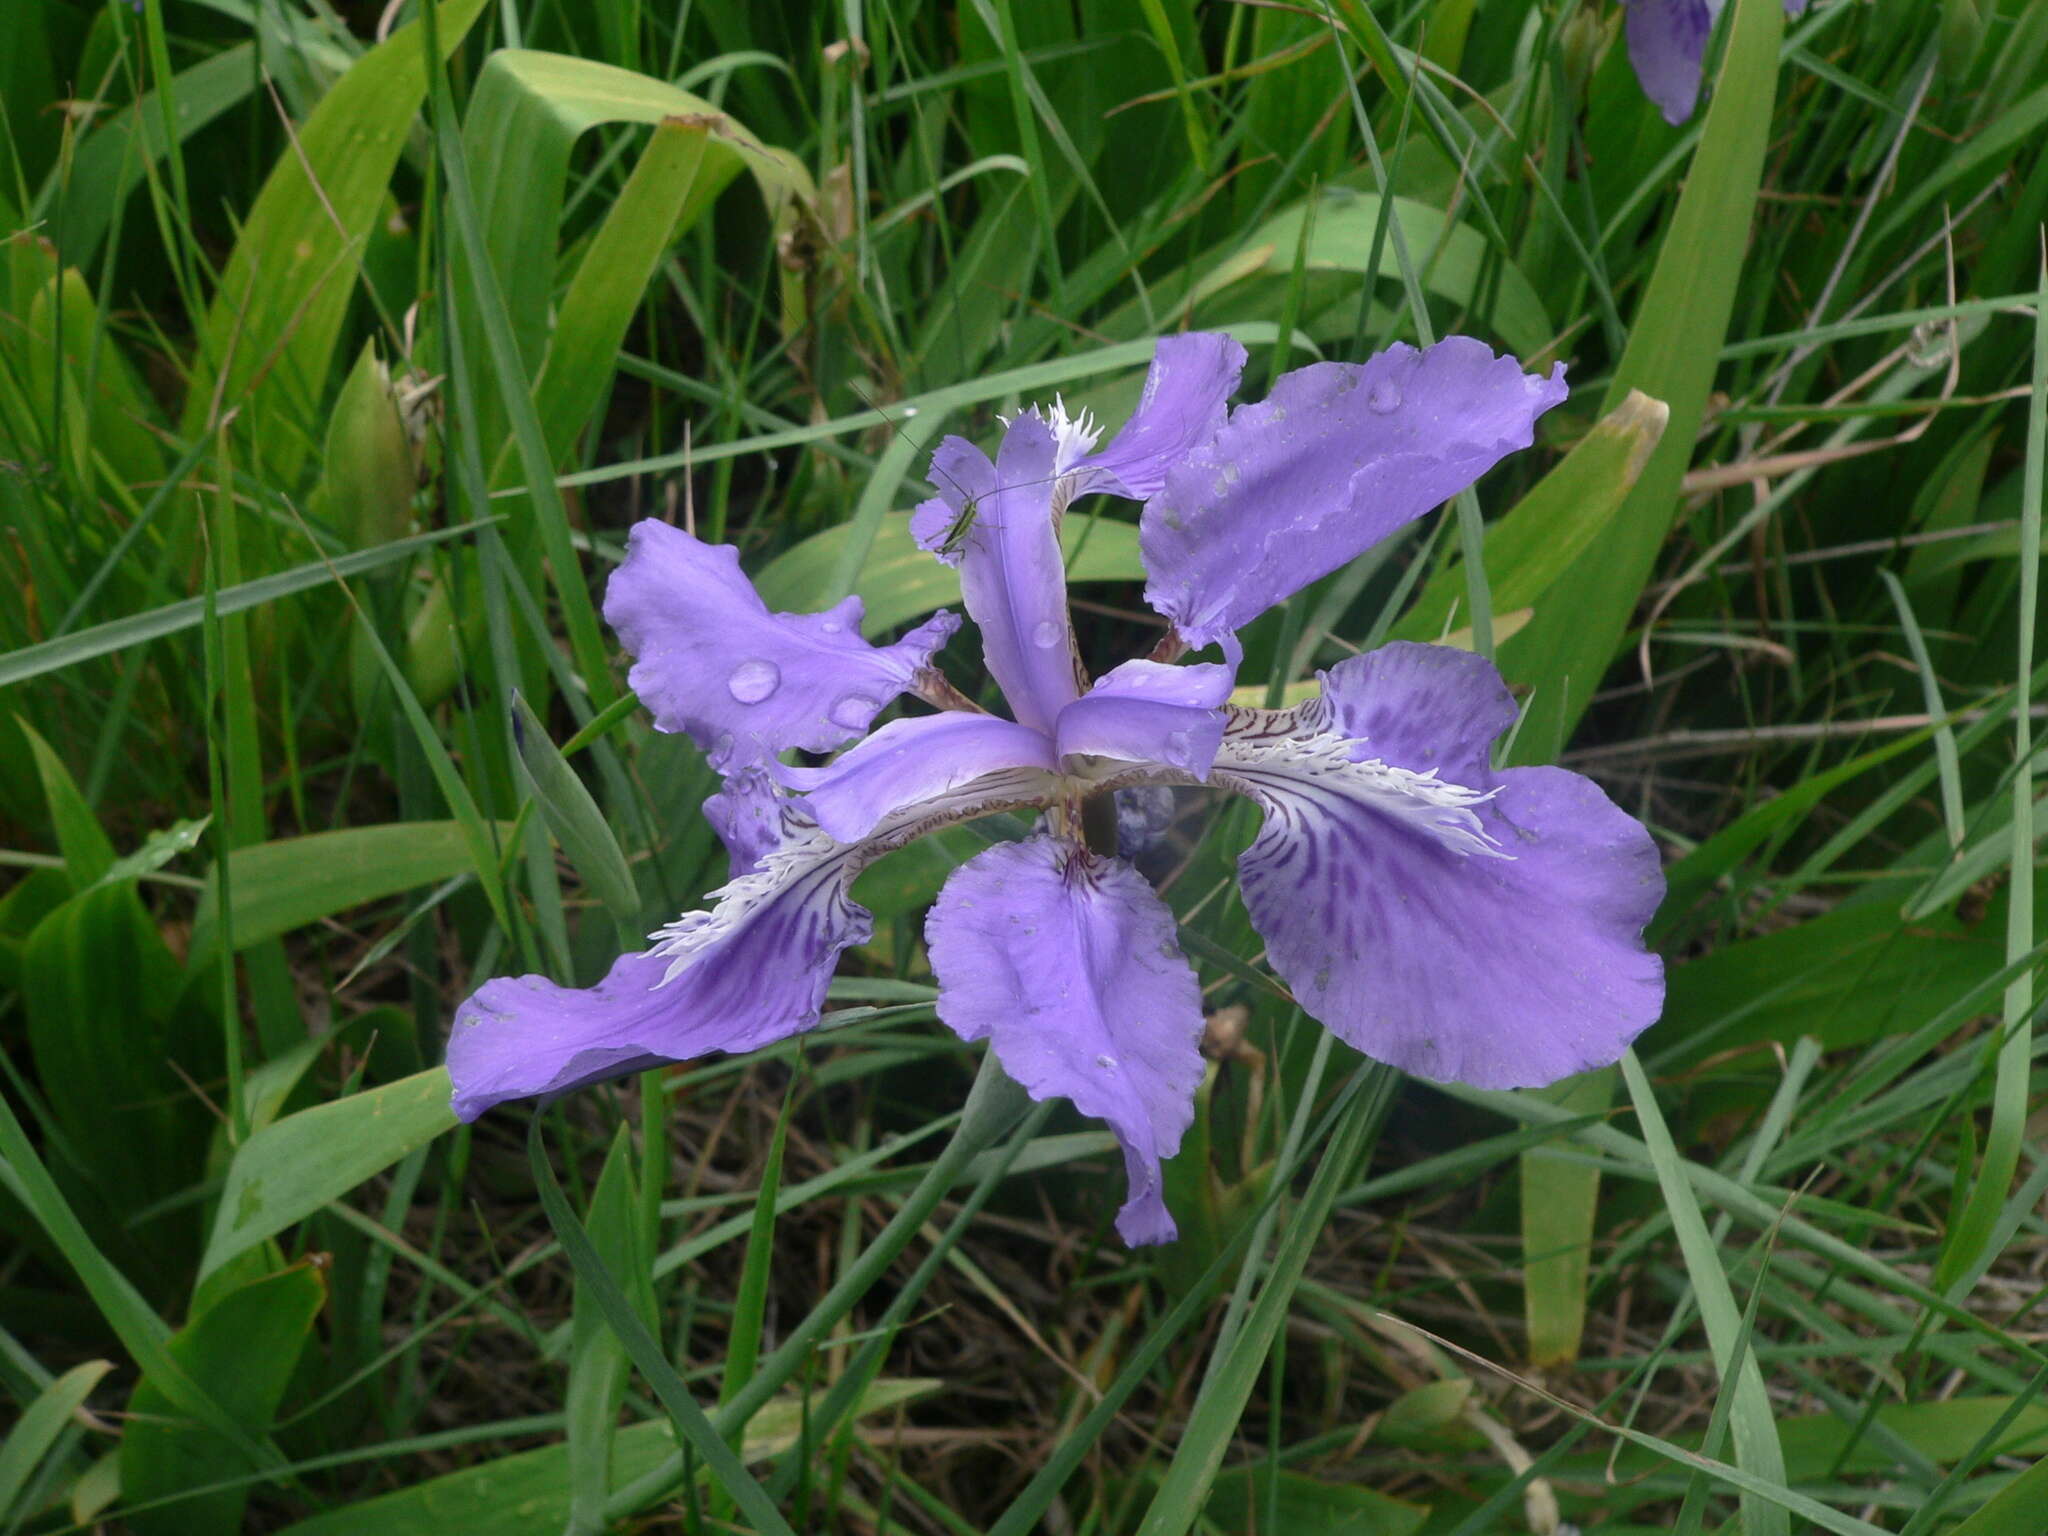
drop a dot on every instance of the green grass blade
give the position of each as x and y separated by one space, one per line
572 815
2015 1510
41 1422
32 661
692 1427
1559 1198
1213 1425
88 854
287 287
295 1166
1976 1220
141 1332
1755 1429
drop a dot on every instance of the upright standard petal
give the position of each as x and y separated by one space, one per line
1183 406
751 970
1148 712
1068 963
966 479
744 683
1667 42
1338 457
919 759
1462 924
998 524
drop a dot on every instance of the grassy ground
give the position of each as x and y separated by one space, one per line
329 383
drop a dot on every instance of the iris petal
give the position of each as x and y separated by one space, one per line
1183 406
916 760
1462 924
965 478
1338 457
751 970
744 683
1012 575
1145 711
746 813
1667 45
1667 40
1069 965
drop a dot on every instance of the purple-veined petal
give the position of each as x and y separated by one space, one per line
744 683
1338 457
746 813
1462 924
914 760
1003 532
1191 378
1069 964
1429 708
1148 712
751 970
1667 42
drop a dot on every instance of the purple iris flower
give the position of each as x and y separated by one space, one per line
1667 42
1455 920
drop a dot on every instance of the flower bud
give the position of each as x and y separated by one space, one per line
372 461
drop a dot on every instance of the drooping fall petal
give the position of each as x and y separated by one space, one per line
1068 965
749 971
1459 923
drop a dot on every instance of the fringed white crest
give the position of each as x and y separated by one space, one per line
1295 763
807 853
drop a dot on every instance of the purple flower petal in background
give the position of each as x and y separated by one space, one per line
1667 41
1667 46
744 683
1462 924
1334 460
1144 814
1068 964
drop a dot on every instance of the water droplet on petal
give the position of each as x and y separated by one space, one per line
831 626
1107 1063
753 681
853 711
1384 397
1046 635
